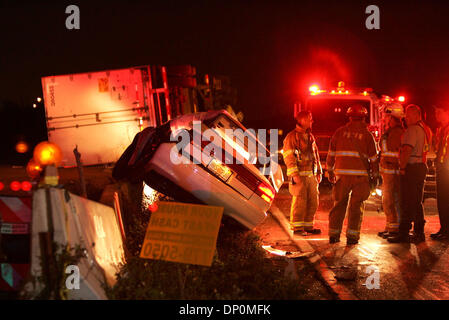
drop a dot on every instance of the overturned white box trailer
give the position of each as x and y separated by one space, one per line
101 112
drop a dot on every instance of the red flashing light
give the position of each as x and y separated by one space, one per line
15 186
26 186
314 89
401 98
1 186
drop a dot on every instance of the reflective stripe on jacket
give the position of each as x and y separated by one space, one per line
300 153
389 145
343 157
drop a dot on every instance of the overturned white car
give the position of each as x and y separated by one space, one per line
209 158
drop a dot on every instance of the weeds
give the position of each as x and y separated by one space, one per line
51 283
240 270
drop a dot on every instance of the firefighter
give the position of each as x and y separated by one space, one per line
351 159
304 172
389 146
442 173
413 169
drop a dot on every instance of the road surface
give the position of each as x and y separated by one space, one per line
373 269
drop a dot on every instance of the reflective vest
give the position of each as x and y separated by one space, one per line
344 158
389 145
300 153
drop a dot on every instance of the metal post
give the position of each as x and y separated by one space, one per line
80 171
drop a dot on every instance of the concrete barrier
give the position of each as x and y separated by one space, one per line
72 220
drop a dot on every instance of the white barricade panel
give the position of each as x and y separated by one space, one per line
79 221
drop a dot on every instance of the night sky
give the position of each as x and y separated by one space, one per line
271 50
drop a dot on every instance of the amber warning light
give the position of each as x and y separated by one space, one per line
21 147
46 153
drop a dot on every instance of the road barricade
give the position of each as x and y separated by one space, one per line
67 219
15 220
15 215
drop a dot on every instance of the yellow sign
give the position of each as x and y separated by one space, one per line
181 232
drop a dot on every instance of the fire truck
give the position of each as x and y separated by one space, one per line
328 107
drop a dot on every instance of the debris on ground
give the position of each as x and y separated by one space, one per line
345 273
287 254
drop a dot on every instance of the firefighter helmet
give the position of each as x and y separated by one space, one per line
357 111
396 110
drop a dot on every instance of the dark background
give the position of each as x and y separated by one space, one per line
271 50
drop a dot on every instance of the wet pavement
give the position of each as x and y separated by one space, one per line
373 269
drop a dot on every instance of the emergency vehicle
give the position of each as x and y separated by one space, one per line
328 107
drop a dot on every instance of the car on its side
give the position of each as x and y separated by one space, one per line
207 170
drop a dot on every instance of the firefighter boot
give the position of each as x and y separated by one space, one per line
334 239
382 234
400 238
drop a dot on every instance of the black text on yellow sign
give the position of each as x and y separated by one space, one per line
181 232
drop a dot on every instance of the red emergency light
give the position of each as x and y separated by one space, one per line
314 89
26 186
15 186
18 186
1 186
401 98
